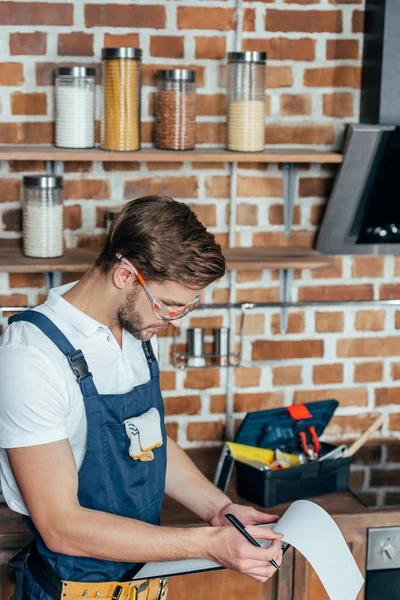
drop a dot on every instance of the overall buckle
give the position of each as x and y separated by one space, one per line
78 365
163 588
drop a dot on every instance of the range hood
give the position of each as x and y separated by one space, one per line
363 213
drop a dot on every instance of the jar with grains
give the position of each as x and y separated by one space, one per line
75 107
246 101
43 216
176 109
121 98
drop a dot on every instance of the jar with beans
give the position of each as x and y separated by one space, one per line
176 109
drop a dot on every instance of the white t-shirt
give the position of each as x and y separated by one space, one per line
40 399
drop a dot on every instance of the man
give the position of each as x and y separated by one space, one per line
79 382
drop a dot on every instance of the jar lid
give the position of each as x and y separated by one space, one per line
256 57
134 53
77 71
177 75
43 181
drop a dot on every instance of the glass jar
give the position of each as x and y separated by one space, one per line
43 216
176 109
246 101
121 98
75 107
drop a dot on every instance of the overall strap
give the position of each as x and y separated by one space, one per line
151 359
75 358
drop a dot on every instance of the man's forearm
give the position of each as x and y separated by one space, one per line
186 484
96 534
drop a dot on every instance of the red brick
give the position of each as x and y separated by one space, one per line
389 291
295 323
384 396
210 133
24 280
86 189
338 105
246 215
72 217
342 49
253 324
375 346
206 323
350 425
36 13
333 271
172 431
300 133
316 213
277 238
287 376
276 216
370 320
123 15
167 46
333 77
160 166
210 47
10 190
282 48
259 187
34 103
368 266
257 295
269 350
357 21
78 166
249 276
176 187
345 397
201 379
13 299
205 431
11 73
313 21
211 104
296 104
317 187
121 166
31 44
247 377
327 374
182 405
219 19
95 242
45 70
336 293
261 401
12 220
167 380
395 371
75 44
329 322
218 404
123 40
394 423
369 371
279 77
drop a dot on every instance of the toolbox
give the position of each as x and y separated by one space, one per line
277 428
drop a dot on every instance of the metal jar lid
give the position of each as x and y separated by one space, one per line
254 57
188 75
76 71
108 53
43 182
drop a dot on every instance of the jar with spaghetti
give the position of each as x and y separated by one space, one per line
246 101
75 107
121 98
176 109
42 216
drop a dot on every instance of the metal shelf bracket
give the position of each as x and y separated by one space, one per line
285 292
290 171
55 168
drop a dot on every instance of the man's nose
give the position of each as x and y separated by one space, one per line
176 322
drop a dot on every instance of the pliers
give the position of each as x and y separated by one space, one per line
316 446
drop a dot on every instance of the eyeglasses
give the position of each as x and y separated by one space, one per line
160 310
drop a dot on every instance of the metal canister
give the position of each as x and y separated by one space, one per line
221 346
195 340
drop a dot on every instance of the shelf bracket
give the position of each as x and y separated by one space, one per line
55 168
285 292
290 171
52 279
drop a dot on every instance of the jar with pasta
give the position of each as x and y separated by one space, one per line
121 98
246 101
176 109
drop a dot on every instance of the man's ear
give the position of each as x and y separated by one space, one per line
122 276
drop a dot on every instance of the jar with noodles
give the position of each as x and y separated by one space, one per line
246 101
121 98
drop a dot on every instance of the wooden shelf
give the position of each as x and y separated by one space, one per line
218 155
80 259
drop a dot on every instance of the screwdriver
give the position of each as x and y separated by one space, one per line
241 529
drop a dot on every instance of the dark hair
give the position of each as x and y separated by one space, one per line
166 241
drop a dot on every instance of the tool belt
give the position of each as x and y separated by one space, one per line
58 589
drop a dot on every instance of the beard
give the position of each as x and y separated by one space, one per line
131 320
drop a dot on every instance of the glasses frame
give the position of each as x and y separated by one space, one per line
157 306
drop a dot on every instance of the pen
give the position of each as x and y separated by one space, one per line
241 528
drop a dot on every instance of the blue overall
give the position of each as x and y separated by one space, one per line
109 479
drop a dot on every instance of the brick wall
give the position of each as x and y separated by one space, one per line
313 82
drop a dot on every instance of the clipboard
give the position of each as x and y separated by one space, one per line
224 469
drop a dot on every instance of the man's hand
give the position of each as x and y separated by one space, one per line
246 514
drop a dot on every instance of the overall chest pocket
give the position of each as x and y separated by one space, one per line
134 488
